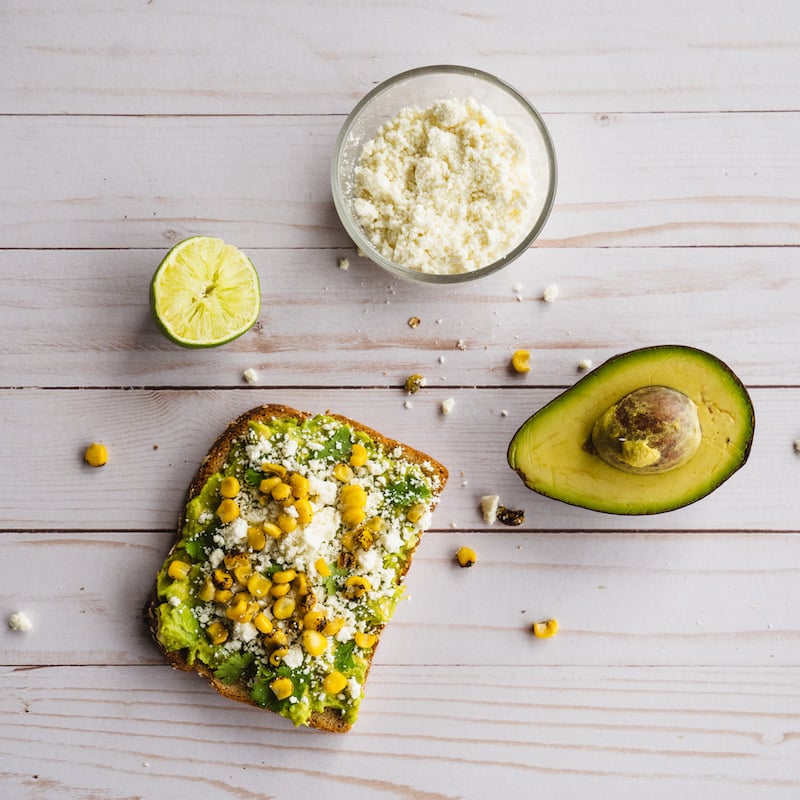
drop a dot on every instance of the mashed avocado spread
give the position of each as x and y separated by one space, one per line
290 563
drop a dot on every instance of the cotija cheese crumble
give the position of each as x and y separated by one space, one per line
444 190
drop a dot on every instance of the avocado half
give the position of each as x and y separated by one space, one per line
553 452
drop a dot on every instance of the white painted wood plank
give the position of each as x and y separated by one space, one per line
142 488
635 179
621 599
320 57
81 318
432 733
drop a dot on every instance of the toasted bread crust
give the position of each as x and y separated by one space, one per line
213 462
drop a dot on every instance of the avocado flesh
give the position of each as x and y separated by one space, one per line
552 450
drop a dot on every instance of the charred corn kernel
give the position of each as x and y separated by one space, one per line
222 579
353 495
268 484
521 361
545 629
242 572
466 557
364 538
334 626
217 633
314 621
283 608
374 524
314 643
273 469
365 640
206 591
229 487
241 608
277 638
258 585
358 455
96 455
281 492
232 560
284 575
222 596
352 516
322 568
300 585
304 511
256 539
263 623
227 511
280 589
356 586
287 523
299 484
416 512
178 570
343 473
282 688
277 655
334 682
271 530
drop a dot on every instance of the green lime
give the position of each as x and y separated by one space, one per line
205 293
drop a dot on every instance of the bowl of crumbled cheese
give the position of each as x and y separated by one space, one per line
443 174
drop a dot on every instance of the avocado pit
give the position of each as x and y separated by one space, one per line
649 431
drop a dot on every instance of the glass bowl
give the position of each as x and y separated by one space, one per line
421 88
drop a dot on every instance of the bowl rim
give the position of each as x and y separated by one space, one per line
354 230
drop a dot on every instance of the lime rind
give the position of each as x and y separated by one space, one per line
205 293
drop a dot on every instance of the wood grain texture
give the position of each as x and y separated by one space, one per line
142 488
621 600
624 179
321 57
88 323
426 733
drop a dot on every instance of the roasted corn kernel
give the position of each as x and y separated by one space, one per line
256 539
227 511
282 688
334 626
206 591
280 589
365 640
314 643
299 484
343 473
283 608
466 557
178 570
277 656
334 682
272 530
356 586
222 579
304 511
352 515
263 623
287 523
322 568
222 596
229 487
217 633
416 512
358 455
284 575
268 468
281 492
258 585
268 484
315 621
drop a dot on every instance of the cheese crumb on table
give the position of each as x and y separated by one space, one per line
19 622
550 294
344 263
250 375
447 405
585 363
444 190
489 505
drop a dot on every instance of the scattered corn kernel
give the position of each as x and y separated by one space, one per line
352 516
206 591
273 469
268 484
545 629
256 539
96 455
282 688
263 623
283 608
227 511
314 643
365 640
315 621
356 586
281 492
277 656
299 484
304 511
222 596
242 572
178 570
272 530
353 495
358 455
222 579
217 633
334 626
280 589
277 638
334 682
322 568
416 512
284 575
521 361
229 487
258 585
343 473
300 585
287 523
466 557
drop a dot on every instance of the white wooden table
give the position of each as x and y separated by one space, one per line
126 127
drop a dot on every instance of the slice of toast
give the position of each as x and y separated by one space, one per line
296 535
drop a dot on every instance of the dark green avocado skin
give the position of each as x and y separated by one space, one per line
551 450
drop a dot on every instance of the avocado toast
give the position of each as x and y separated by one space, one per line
291 551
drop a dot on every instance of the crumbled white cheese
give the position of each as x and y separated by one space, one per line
489 504
448 405
19 622
174 601
550 294
585 363
216 556
344 263
354 687
294 658
234 533
444 190
250 375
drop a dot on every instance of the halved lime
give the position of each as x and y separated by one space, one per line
205 293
